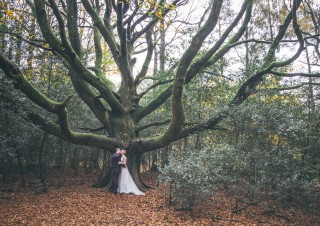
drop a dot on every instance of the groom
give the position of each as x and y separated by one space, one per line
116 169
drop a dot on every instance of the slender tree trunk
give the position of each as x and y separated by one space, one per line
30 47
162 47
3 37
247 69
42 163
23 183
60 158
198 139
75 162
156 55
154 166
10 54
270 21
18 48
311 109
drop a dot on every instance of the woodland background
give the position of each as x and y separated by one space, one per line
260 164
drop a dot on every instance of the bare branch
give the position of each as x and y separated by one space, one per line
138 34
157 123
154 86
287 88
62 129
283 74
218 75
33 43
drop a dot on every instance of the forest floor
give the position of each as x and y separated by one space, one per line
75 202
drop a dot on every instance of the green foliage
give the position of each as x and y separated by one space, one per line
249 175
280 161
193 174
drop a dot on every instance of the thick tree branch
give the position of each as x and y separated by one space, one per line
99 55
97 46
72 18
105 30
20 82
62 129
209 124
93 130
74 61
154 104
107 12
204 62
61 23
147 60
243 93
90 98
215 54
121 31
178 117
47 33
248 87
88 139
133 14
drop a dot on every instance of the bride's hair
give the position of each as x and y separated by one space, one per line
124 151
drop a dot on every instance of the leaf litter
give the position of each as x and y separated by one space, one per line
77 203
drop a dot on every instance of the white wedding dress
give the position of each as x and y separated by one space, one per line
126 183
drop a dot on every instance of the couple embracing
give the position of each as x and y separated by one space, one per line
122 181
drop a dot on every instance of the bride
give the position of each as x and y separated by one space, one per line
126 183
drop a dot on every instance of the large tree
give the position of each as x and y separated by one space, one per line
126 26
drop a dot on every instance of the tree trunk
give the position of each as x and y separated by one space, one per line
134 168
75 162
133 156
42 164
60 160
23 183
154 165
122 129
105 164
162 47
311 110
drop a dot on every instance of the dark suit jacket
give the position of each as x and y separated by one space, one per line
115 158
